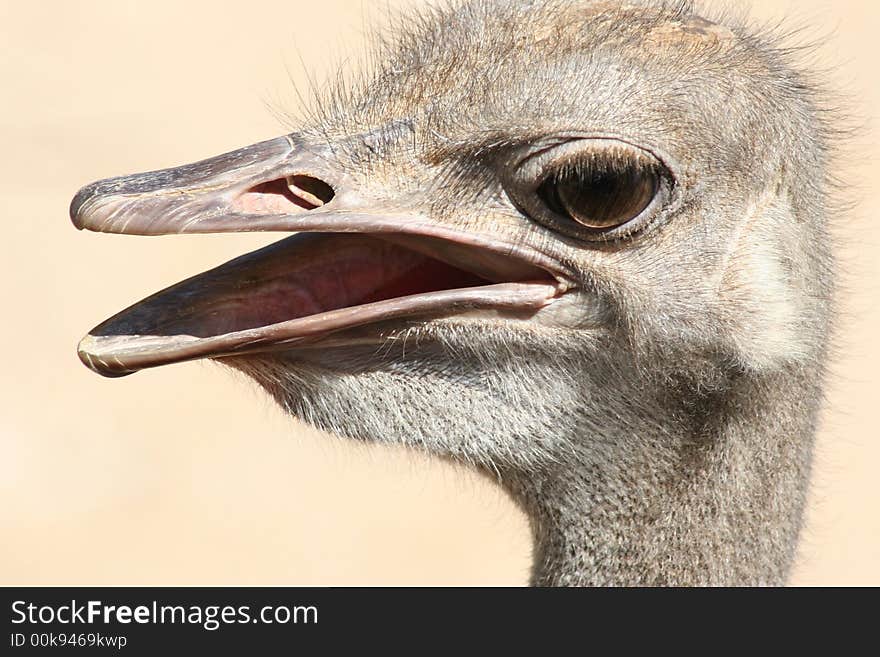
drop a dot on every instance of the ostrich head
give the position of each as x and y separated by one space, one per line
578 245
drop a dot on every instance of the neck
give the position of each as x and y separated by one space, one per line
718 504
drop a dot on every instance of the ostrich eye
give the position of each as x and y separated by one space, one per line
599 196
591 189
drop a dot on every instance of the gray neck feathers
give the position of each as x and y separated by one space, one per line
716 501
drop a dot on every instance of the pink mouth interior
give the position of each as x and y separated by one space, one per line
292 279
365 276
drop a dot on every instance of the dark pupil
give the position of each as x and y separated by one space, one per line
600 199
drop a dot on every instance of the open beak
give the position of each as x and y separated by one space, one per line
361 264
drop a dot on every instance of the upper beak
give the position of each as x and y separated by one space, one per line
298 289
245 190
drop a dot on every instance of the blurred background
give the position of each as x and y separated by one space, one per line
188 475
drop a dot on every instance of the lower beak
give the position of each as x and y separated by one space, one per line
365 265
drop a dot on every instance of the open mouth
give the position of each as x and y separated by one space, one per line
349 266
303 289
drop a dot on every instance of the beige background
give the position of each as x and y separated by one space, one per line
187 475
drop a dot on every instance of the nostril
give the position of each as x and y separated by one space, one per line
304 191
311 190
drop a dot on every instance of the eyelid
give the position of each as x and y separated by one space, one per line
535 168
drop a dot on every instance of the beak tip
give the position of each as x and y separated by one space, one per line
87 353
77 216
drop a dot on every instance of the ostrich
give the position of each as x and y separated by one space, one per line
580 246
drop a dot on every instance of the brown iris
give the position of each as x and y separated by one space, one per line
600 196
